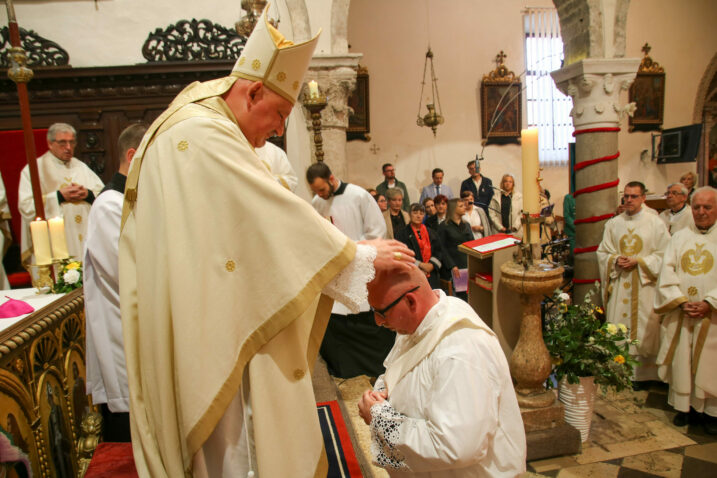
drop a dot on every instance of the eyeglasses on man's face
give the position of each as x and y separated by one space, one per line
65 142
382 312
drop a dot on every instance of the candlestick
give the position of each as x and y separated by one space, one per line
313 89
57 236
531 198
40 242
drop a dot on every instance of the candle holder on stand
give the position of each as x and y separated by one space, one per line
528 253
315 103
43 280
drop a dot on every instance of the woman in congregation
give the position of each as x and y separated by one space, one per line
505 208
441 205
475 217
452 233
689 179
424 242
382 202
430 208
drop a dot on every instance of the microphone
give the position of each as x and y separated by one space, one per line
499 189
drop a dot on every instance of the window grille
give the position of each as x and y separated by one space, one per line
547 108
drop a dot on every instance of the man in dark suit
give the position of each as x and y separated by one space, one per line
480 186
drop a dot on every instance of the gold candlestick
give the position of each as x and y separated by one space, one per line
315 104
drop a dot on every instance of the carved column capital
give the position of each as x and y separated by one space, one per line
336 76
595 86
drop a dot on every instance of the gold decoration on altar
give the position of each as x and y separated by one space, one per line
247 22
647 65
697 261
501 71
648 93
630 243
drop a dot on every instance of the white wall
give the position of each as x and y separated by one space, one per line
465 36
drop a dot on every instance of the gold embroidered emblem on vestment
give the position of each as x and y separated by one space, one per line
691 291
697 261
182 145
630 243
281 76
242 60
230 266
78 219
626 285
255 65
295 85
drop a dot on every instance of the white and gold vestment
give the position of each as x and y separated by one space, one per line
628 295
689 345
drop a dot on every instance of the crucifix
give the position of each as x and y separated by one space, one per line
374 149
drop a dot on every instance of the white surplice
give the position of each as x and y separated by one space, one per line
455 413
106 366
276 160
54 175
688 350
679 220
628 295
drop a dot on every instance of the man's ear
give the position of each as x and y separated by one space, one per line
129 155
255 93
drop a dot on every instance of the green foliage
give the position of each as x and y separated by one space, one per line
581 344
69 278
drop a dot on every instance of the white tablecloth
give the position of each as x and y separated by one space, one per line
37 301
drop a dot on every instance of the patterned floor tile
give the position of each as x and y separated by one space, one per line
593 470
659 463
541 466
694 468
706 452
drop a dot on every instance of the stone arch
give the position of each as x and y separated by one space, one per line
299 18
705 89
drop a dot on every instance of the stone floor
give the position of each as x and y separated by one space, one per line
632 436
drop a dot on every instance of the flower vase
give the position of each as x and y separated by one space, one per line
579 399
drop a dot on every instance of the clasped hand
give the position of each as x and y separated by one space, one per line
74 192
369 399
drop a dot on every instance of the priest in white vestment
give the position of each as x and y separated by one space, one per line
446 406
68 187
106 368
687 295
221 277
276 160
678 214
630 257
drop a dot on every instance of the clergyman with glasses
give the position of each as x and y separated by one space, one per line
68 186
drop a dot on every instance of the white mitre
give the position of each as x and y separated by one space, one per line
270 58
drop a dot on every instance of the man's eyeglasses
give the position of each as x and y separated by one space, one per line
382 312
65 142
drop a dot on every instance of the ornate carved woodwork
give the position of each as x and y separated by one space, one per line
189 40
42 390
100 102
40 51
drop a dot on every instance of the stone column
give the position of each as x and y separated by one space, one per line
595 85
336 76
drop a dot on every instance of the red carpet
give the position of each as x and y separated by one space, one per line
114 460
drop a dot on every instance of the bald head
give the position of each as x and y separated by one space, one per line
401 300
704 207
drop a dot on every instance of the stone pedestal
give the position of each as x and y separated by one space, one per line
546 432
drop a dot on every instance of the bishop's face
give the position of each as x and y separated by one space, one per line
267 115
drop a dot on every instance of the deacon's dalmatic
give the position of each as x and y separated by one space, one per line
628 295
688 349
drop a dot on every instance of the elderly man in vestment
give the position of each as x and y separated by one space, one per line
446 406
221 301
68 186
106 368
678 214
630 257
687 295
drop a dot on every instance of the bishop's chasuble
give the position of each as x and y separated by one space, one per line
688 348
54 175
628 295
214 293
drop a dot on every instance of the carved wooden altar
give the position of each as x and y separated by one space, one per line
42 386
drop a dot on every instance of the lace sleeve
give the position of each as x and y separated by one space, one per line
385 423
349 285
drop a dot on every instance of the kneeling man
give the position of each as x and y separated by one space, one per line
446 405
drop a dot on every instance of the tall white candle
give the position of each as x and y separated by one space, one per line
531 198
40 242
57 236
313 89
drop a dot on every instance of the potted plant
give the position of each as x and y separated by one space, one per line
586 352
